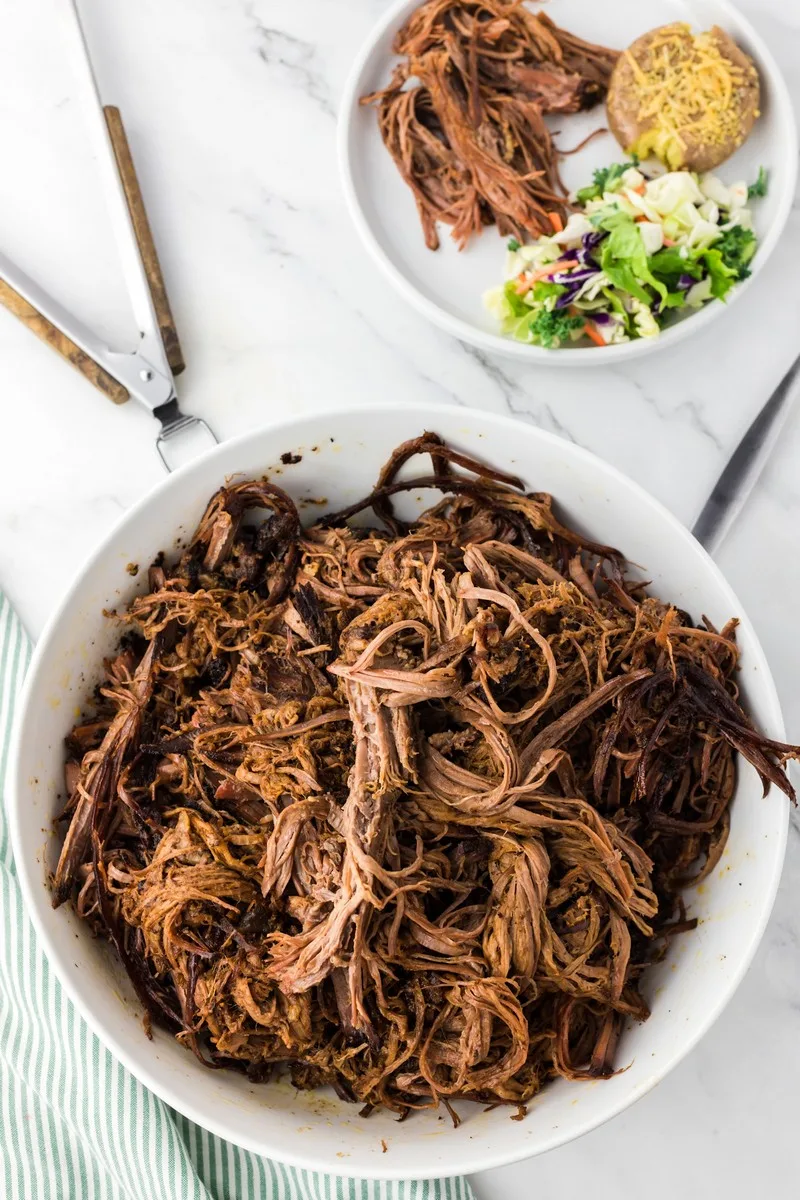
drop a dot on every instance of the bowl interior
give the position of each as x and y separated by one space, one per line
341 454
448 285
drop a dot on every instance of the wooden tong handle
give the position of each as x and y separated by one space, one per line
144 237
59 341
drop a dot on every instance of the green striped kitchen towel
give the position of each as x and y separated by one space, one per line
60 1138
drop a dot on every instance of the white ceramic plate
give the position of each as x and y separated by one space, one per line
447 286
341 453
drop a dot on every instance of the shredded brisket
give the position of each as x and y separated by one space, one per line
406 808
462 116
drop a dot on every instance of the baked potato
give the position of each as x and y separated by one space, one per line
689 99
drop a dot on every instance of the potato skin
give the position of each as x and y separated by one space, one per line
642 137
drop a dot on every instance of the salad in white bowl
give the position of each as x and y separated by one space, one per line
638 247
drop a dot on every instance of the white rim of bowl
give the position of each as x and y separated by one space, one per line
36 896
562 357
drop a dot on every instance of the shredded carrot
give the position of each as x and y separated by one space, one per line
556 222
588 329
525 281
640 189
591 332
668 242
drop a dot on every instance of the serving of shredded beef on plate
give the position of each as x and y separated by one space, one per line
404 808
463 114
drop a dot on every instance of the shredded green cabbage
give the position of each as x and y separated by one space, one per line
636 248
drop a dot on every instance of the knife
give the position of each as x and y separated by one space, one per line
746 463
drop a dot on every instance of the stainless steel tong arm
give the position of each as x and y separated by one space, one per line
140 377
118 208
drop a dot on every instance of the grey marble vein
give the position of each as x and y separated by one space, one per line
298 59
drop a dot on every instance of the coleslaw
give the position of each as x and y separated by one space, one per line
638 247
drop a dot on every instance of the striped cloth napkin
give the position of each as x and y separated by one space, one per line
75 1125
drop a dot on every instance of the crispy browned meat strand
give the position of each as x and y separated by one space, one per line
406 807
463 114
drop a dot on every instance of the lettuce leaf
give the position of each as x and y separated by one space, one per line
624 260
722 277
543 290
516 304
668 264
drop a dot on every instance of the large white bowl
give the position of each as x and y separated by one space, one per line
341 453
447 286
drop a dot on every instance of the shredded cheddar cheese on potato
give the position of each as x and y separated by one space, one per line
685 83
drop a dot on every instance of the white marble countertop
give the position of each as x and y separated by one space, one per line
230 107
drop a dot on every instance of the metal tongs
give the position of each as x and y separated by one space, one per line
147 372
